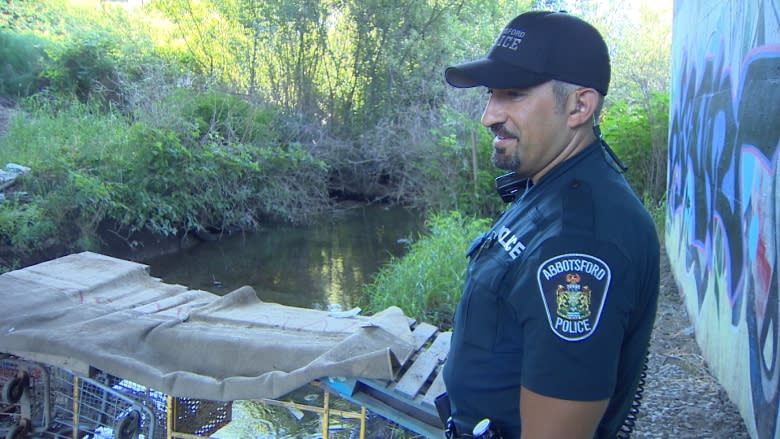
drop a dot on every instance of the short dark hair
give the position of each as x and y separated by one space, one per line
561 91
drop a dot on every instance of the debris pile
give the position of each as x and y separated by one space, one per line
9 176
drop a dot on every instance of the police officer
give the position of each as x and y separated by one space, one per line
551 333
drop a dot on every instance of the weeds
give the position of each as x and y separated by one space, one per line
92 167
426 283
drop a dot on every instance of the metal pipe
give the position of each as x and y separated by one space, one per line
326 415
169 418
362 422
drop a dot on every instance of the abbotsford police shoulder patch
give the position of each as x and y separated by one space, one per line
574 288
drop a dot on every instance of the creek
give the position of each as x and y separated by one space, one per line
320 265
323 265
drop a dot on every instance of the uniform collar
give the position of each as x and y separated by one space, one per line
587 154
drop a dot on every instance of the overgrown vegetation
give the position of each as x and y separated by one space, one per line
23 60
426 283
221 167
629 130
188 116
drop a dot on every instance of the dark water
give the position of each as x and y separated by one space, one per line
311 266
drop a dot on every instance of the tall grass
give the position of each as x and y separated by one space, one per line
426 283
65 145
45 132
657 210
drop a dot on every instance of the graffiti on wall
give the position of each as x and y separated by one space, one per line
724 182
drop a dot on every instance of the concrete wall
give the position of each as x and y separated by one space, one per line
723 218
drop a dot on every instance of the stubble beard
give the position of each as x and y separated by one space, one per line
499 158
502 161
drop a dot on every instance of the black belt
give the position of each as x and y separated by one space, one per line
483 430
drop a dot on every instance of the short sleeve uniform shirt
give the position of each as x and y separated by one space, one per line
560 297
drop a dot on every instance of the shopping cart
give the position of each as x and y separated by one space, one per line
88 407
179 417
40 400
25 405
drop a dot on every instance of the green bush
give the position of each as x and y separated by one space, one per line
24 57
154 182
225 117
426 283
657 209
24 230
66 145
172 185
92 167
214 161
88 68
465 143
89 50
637 132
48 132
44 16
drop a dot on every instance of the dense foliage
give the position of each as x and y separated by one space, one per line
183 116
221 166
426 283
629 130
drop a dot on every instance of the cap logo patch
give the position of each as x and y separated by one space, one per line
510 38
574 288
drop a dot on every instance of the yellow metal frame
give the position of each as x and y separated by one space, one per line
76 395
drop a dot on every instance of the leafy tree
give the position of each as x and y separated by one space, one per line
207 38
272 106
628 129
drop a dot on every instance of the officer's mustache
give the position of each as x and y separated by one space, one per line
498 129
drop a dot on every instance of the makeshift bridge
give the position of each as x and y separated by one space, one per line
90 314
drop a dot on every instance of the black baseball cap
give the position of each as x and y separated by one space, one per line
536 47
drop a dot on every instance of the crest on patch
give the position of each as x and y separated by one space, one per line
574 288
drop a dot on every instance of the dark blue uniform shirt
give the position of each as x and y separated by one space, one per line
560 298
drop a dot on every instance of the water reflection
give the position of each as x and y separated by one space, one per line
264 420
311 266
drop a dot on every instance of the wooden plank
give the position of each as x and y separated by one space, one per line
424 365
402 401
436 389
421 333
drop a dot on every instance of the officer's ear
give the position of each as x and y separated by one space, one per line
582 105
